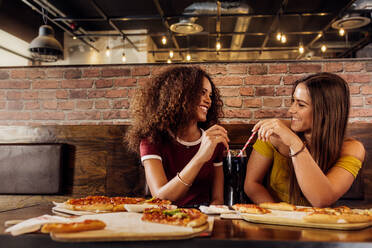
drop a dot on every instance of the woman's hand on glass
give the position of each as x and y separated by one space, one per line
211 137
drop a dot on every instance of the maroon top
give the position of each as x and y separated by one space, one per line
175 155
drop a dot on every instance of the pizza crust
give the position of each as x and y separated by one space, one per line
283 206
250 209
329 218
86 225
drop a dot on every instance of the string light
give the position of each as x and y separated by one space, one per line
279 36
171 54
301 49
188 57
164 40
323 48
283 39
341 32
74 37
123 58
108 51
218 45
169 61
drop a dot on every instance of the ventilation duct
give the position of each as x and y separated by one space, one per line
354 20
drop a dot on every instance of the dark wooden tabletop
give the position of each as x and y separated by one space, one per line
226 233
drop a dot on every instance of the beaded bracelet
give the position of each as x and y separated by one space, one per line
295 154
183 182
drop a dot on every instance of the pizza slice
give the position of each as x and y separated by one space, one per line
120 202
188 217
86 225
284 206
90 203
250 209
336 218
157 201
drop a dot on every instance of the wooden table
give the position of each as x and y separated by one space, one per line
226 233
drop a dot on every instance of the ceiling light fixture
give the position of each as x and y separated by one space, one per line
45 47
123 58
171 54
186 26
279 36
164 40
188 57
341 32
218 45
301 49
169 61
283 39
108 52
323 48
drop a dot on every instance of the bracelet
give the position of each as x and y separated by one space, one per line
183 182
301 150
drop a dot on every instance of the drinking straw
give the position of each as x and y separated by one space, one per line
246 144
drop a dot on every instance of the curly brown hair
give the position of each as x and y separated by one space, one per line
168 103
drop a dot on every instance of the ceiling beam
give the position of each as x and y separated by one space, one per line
360 44
112 24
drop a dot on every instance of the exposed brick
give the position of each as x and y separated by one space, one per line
15 105
2 94
72 74
102 104
291 79
262 80
278 69
229 91
76 94
354 89
236 69
257 69
252 103
271 113
116 93
354 67
35 73
246 91
45 84
104 83
50 104
357 101
120 104
143 81
96 93
333 67
4 75
233 101
265 91
369 100
223 81
50 94
76 83
115 114
237 113
14 84
366 89
84 115
115 72
14 95
18 74
17 115
272 102
45 115
66 105
304 68
140 71
54 73
357 78
131 92
156 70
32 105
93 72
361 112
2 104
217 69
62 94
84 105
124 82
284 91
30 95
287 102
369 66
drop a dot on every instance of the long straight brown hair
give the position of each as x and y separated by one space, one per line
330 98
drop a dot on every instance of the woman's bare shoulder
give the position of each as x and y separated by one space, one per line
353 147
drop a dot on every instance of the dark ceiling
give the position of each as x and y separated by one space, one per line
248 34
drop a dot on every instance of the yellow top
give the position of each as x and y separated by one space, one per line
278 181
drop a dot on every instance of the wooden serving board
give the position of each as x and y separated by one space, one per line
288 218
128 227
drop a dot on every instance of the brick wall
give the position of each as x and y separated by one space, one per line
101 94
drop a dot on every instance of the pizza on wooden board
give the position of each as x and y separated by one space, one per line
188 217
86 225
250 209
284 206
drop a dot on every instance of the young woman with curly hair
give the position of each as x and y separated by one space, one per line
310 162
174 128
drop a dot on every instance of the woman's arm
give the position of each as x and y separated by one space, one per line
217 190
257 167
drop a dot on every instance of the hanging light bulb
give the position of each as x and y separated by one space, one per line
279 36
301 49
107 51
123 58
341 32
164 40
323 48
171 54
169 61
74 37
218 45
283 39
188 57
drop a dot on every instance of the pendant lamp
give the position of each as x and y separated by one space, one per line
45 47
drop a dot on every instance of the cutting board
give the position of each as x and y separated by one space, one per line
129 227
290 218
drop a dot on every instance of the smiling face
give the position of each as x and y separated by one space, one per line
205 101
301 110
